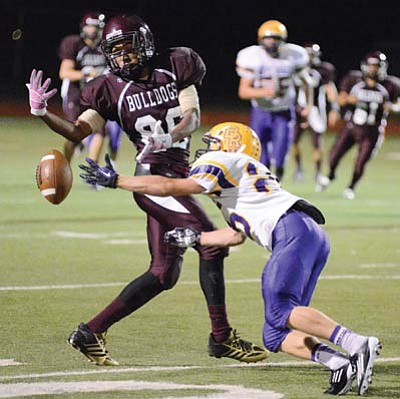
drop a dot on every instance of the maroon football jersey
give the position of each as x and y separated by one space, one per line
137 106
369 110
73 48
321 74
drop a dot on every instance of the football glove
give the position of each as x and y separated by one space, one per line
96 175
182 237
38 94
158 141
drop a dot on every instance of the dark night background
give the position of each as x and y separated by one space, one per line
345 30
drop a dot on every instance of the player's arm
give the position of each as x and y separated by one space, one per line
184 237
247 91
68 71
226 237
159 185
333 96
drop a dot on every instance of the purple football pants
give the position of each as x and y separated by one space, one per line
300 249
275 131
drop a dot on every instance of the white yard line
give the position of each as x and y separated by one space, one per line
238 281
146 369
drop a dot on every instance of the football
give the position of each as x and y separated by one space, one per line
54 177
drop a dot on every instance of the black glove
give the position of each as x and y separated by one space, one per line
182 237
96 175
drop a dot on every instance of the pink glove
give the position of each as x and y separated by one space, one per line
37 93
158 141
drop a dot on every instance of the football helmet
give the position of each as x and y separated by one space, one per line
132 29
378 59
96 19
314 52
275 30
232 137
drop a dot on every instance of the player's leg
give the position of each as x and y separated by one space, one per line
223 340
367 146
343 143
282 134
260 122
297 245
114 132
317 142
95 145
298 131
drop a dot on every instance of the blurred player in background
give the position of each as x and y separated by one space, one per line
255 206
81 61
154 99
323 94
369 95
266 74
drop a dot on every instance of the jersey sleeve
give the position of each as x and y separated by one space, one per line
68 48
188 67
212 172
349 80
298 55
247 62
95 95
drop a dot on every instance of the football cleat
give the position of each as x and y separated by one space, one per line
298 176
365 362
236 348
92 345
322 183
342 378
349 194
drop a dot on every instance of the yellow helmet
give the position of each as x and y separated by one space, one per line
233 137
272 28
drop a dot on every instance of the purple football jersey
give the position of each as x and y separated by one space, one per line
137 106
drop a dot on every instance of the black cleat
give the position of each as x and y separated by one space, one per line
236 348
342 378
92 345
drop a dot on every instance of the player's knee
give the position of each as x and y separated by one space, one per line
169 271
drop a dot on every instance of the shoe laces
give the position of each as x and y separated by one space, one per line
240 343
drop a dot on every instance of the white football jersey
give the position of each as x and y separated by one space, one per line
256 64
250 197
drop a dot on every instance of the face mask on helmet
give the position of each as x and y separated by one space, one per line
271 35
128 45
374 66
232 137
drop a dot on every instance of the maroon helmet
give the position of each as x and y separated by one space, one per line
314 52
375 58
127 28
93 18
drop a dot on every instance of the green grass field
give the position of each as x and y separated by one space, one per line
61 264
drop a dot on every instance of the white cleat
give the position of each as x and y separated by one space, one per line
322 183
348 194
365 362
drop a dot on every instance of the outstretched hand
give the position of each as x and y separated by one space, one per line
158 141
182 237
96 175
38 94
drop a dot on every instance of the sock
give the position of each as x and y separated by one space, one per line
325 355
219 323
347 339
114 312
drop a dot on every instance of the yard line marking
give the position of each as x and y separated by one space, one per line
9 362
378 265
239 281
145 369
96 236
58 388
